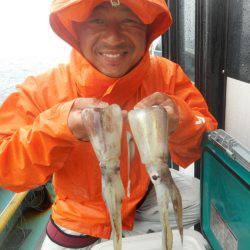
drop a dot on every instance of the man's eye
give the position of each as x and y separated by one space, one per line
128 20
97 21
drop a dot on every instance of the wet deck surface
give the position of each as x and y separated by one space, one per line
26 230
5 198
28 233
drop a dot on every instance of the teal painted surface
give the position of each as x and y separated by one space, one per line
5 198
26 228
26 234
34 223
227 194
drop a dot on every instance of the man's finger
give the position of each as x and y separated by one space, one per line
82 103
154 99
169 106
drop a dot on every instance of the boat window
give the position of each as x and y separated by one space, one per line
238 56
156 47
187 37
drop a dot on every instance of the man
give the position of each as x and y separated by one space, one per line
41 131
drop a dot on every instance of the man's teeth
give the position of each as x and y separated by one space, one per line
112 55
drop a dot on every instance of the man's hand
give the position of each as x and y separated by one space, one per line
167 103
75 123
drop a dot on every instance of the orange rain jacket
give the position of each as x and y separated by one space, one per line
35 142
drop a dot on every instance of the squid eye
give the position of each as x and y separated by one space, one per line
155 177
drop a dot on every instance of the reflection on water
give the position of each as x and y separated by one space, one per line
13 71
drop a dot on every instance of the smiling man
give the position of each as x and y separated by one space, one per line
112 39
42 134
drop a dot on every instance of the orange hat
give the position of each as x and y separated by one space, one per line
155 13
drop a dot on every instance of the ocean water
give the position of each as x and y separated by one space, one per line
14 71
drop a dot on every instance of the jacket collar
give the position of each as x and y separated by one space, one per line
93 84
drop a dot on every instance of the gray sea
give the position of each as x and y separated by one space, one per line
14 71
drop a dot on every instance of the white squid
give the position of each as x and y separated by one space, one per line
104 128
150 131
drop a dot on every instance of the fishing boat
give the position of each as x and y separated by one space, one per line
210 40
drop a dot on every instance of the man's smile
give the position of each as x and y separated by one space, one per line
113 57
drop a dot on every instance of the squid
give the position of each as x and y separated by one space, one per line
150 131
104 128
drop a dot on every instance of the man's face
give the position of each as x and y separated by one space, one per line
113 40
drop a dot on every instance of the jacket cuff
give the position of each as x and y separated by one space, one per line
186 118
56 121
65 109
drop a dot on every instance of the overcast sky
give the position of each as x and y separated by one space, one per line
25 30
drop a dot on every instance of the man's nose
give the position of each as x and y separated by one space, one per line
113 34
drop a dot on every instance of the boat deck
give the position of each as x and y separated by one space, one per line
26 228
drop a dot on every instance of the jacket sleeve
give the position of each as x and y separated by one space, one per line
34 143
195 120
